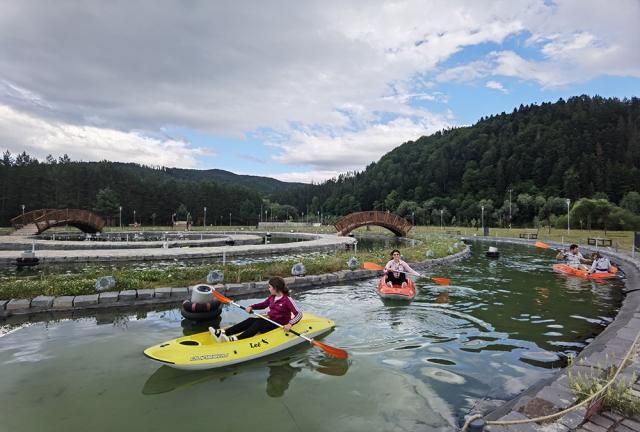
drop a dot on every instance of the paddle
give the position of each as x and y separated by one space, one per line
373 266
336 352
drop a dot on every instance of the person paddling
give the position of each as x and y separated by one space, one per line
396 270
281 310
574 258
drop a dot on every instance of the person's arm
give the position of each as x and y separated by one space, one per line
293 310
261 305
593 268
584 260
408 269
561 255
387 267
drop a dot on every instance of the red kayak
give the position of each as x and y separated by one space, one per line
396 292
564 268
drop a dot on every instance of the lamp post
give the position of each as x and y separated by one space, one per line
134 218
229 218
568 224
120 217
318 216
482 218
509 208
204 221
23 212
413 218
441 218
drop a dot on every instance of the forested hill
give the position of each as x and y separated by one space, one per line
153 193
266 185
569 149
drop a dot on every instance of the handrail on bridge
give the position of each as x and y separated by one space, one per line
394 223
44 219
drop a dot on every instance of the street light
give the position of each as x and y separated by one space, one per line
23 212
229 218
134 218
482 218
413 220
120 217
441 220
204 221
568 225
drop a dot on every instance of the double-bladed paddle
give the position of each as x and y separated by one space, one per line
373 266
336 352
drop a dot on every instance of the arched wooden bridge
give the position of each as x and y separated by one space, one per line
394 223
43 219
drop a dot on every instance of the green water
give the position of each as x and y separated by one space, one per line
500 327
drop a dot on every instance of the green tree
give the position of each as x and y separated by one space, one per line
631 202
107 203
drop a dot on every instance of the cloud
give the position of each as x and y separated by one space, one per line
306 176
354 150
495 85
90 143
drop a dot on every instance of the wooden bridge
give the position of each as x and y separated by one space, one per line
394 223
37 221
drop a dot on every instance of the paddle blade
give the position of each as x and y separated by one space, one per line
371 266
539 244
336 352
221 298
441 280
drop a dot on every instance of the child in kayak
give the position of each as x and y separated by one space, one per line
281 310
396 270
600 264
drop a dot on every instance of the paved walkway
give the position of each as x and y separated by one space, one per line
309 243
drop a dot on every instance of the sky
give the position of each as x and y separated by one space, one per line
294 90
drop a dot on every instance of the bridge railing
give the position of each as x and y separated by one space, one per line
47 218
28 218
390 221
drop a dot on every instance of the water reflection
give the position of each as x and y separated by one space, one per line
281 373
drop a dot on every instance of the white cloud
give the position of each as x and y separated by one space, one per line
495 85
353 150
40 137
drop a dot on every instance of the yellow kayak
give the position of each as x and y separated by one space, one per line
203 351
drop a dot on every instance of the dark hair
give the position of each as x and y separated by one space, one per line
573 246
394 251
596 255
279 285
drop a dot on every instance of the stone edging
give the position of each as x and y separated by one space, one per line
151 296
554 394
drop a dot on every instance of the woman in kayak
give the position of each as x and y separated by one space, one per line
281 310
396 270
600 264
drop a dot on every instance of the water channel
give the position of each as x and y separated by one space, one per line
501 326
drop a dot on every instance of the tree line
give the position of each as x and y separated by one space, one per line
149 194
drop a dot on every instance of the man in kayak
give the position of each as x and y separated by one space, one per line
396 270
281 310
574 258
600 264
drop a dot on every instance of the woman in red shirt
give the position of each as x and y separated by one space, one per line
281 310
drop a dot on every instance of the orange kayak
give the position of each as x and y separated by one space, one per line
564 268
396 292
